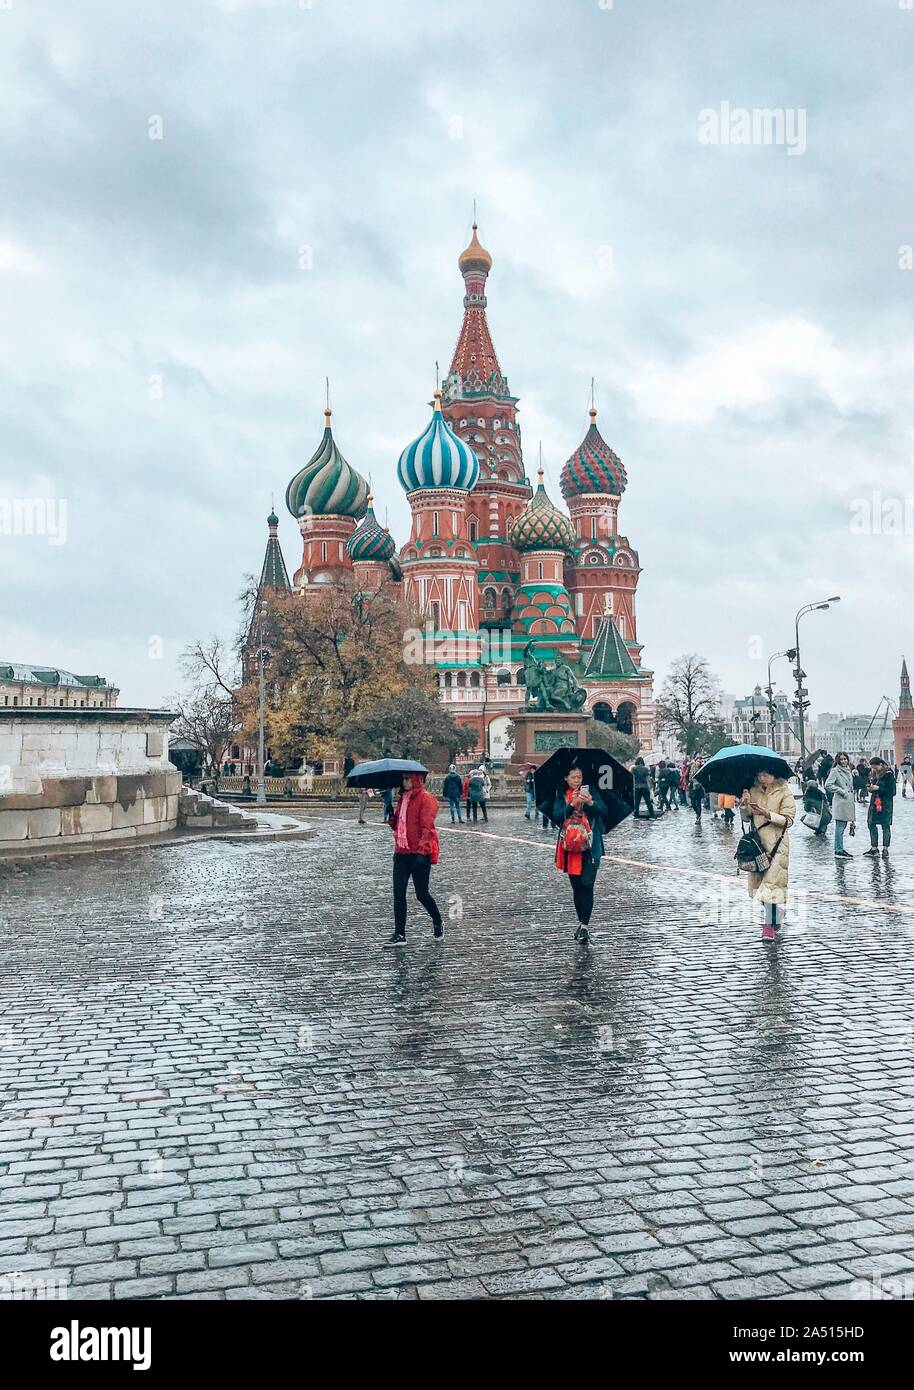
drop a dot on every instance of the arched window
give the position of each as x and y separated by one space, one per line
437 680
474 680
448 680
434 523
324 551
539 569
488 598
462 679
521 679
474 532
503 678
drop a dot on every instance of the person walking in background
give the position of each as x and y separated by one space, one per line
697 792
415 851
466 797
452 790
529 792
478 793
861 779
907 775
768 806
727 804
579 813
840 787
642 785
364 795
682 786
665 785
823 771
882 797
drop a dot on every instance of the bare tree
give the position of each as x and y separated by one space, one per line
207 710
687 707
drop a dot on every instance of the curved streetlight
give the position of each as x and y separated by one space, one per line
791 655
801 701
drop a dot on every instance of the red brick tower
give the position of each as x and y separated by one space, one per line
480 409
903 725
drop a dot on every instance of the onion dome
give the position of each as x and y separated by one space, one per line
593 467
438 458
541 526
327 485
272 519
475 257
370 540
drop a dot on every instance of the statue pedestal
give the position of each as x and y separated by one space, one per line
537 735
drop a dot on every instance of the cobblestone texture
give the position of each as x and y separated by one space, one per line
216 1084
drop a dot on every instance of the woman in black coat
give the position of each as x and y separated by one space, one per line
580 866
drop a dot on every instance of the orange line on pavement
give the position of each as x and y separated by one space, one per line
696 873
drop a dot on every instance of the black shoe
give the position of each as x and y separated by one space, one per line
843 854
871 853
885 854
439 930
582 935
397 938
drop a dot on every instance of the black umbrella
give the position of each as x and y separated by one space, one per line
382 773
601 772
732 770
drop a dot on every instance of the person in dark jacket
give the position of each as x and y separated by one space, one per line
415 850
529 792
697 792
861 779
882 788
642 784
452 791
581 866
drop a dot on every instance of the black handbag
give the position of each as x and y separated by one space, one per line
751 855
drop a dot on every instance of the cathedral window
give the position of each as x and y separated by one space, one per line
539 569
434 523
503 678
448 680
462 679
474 532
324 551
474 680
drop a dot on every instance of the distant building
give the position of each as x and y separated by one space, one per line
750 722
854 734
24 685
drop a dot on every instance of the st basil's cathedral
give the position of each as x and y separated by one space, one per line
491 563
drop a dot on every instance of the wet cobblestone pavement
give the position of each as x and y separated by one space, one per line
215 1084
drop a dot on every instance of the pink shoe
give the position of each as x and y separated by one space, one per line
769 933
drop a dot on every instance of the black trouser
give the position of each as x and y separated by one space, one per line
646 793
583 897
697 798
476 807
417 867
666 798
874 820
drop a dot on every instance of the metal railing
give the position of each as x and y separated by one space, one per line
331 788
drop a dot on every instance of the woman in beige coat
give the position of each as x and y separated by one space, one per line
770 807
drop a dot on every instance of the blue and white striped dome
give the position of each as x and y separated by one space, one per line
438 458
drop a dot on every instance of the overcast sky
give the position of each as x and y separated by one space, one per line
744 308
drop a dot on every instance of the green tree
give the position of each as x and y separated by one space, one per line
409 725
606 736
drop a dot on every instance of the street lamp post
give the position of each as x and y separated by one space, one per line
790 654
801 704
261 782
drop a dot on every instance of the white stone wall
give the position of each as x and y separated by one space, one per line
31 750
88 778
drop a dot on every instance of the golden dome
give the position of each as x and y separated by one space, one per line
475 257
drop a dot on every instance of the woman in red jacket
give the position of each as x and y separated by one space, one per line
415 851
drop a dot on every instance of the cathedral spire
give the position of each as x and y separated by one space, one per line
274 574
904 701
475 368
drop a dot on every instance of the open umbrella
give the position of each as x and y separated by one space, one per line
601 772
733 769
382 773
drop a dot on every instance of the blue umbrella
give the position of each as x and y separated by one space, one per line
733 769
383 772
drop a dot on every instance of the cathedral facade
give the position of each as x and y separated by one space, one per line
491 564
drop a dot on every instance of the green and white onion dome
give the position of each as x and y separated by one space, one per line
327 485
541 526
438 458
370 540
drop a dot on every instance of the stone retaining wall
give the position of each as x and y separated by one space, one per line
71 778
